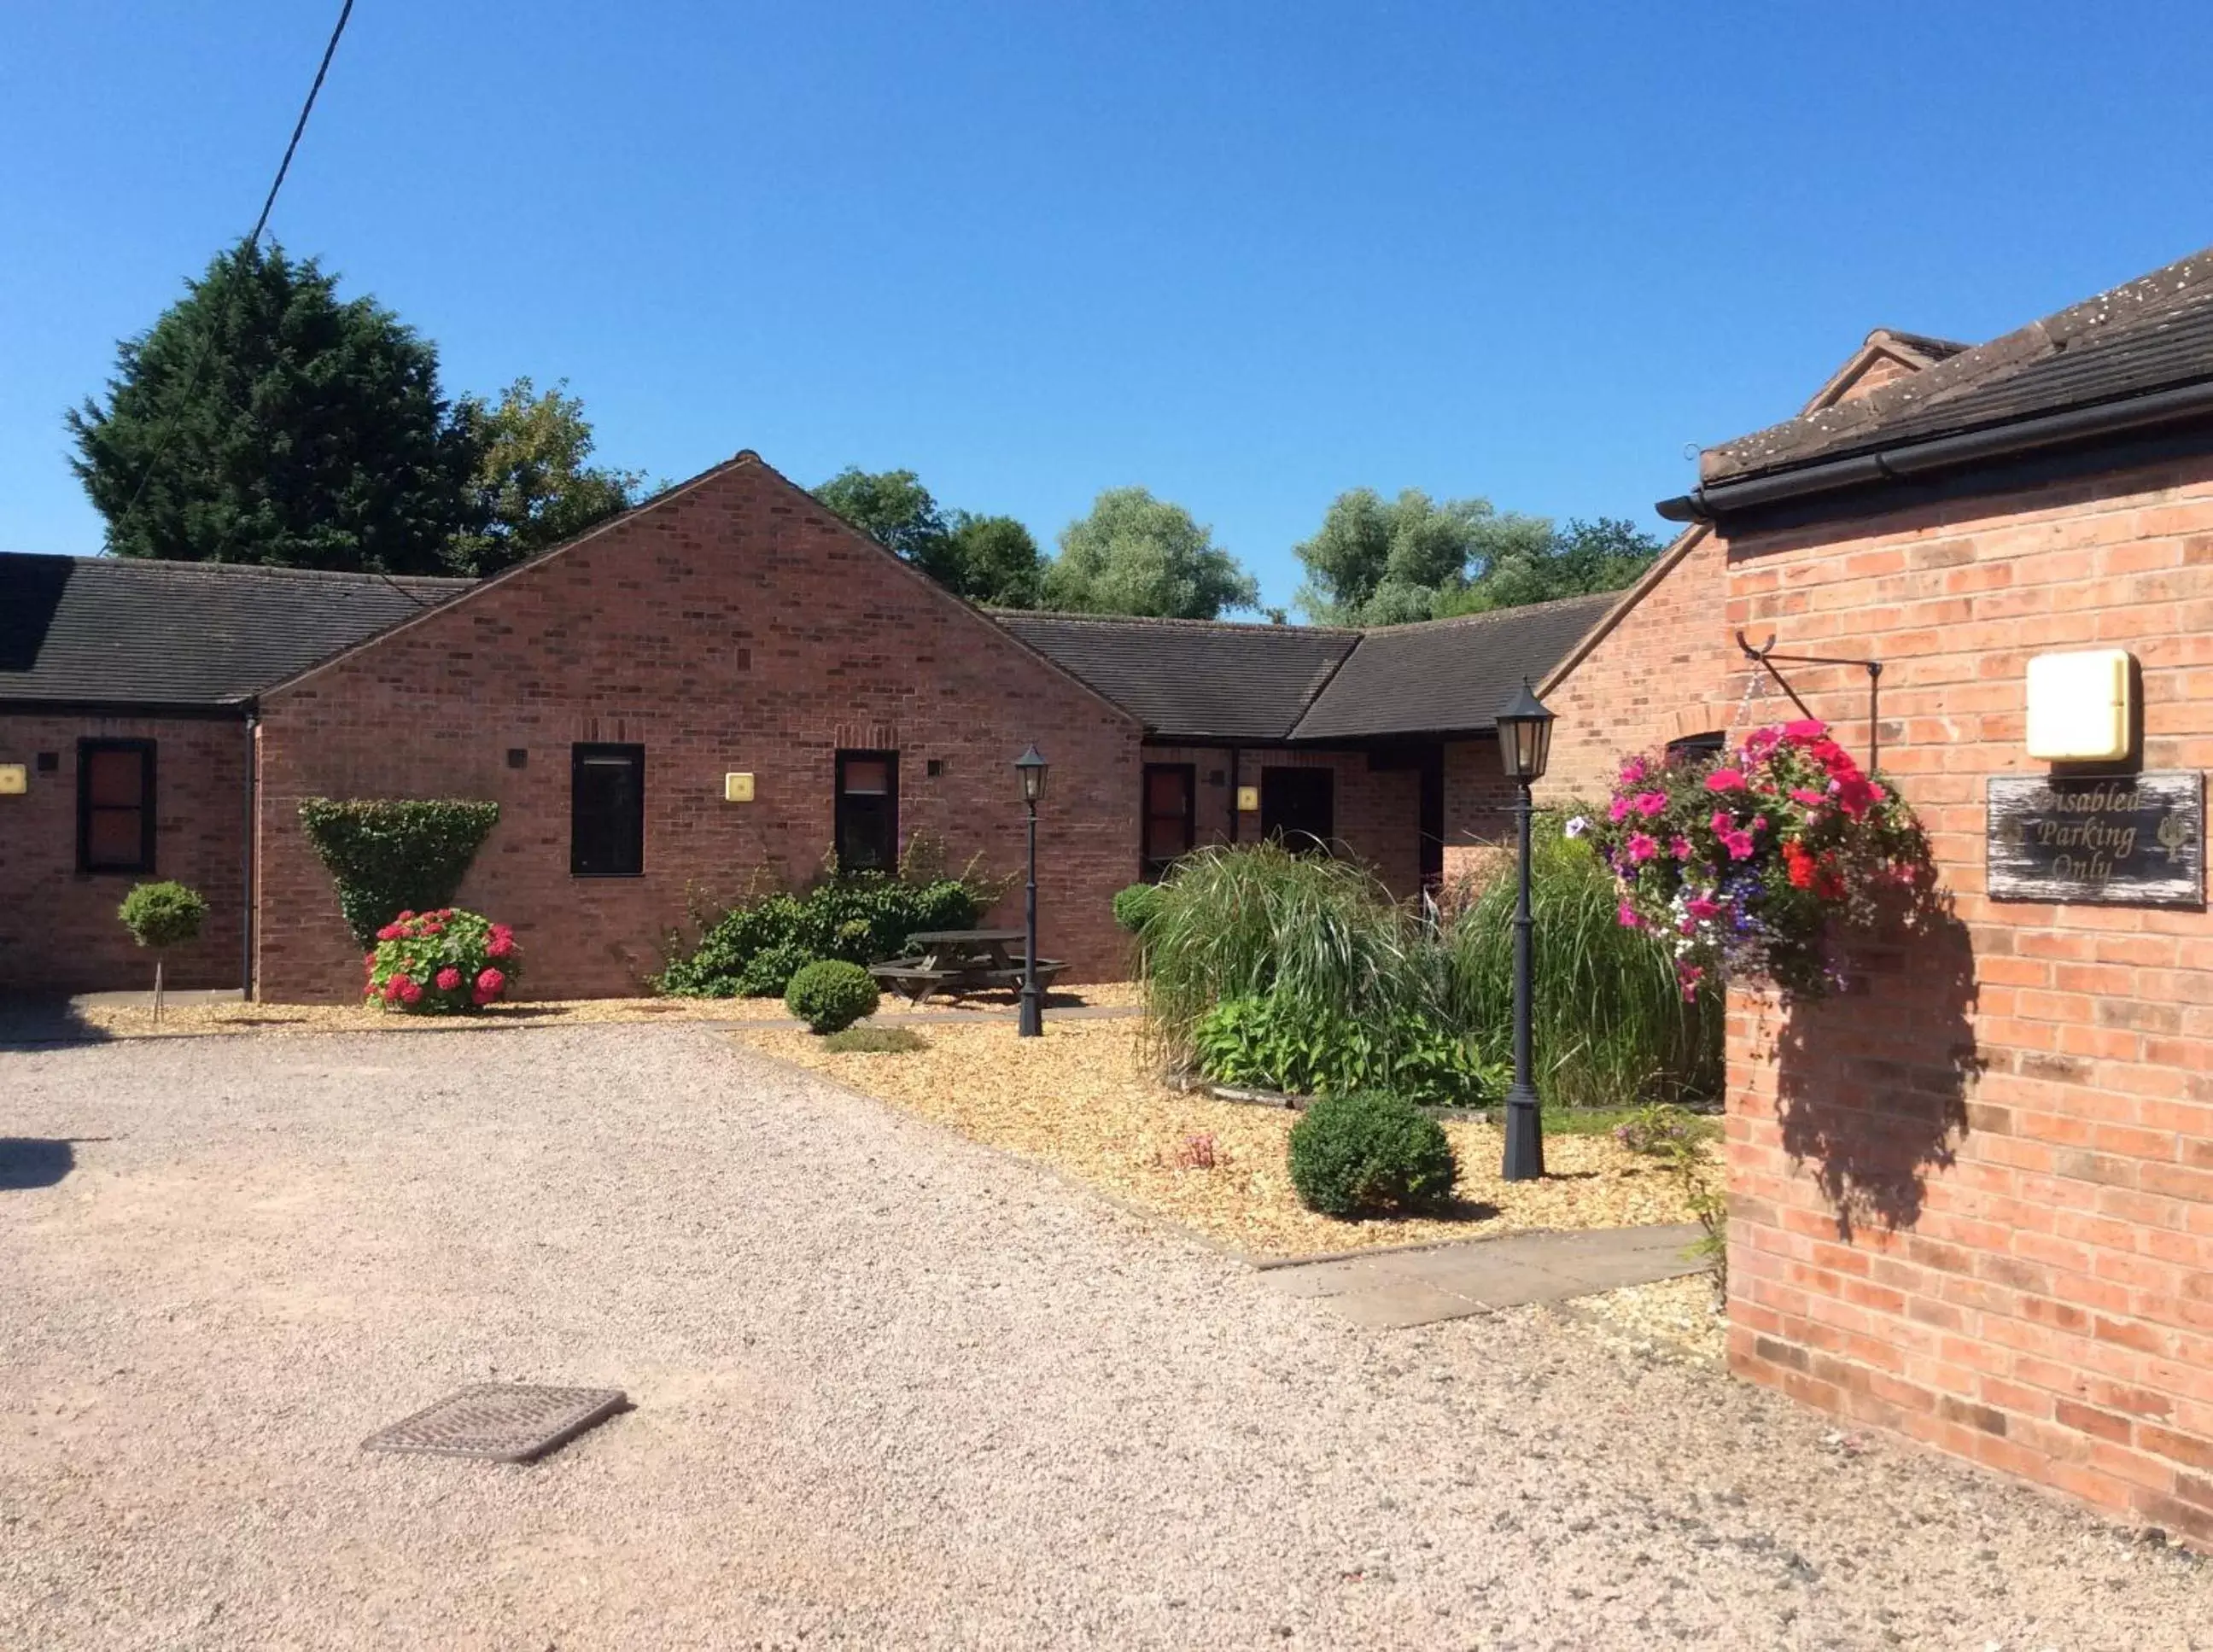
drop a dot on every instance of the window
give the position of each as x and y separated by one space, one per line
115 805
606 811
1298 808
1170 814
868 811
1696 749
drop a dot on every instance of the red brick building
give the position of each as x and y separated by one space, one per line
603 693
1973 1198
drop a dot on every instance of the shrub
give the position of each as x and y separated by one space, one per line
1610 1024
1135 906
832 995
754 949
442 963
876 1041
1369 1152
1320 936
1678 1141
1264 1041
389 856
163 915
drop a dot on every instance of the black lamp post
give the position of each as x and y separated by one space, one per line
1525 740
1031 768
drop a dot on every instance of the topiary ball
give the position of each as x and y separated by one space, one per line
161 915
1134 906
1370 1152
830 996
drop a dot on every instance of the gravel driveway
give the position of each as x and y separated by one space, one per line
893 1390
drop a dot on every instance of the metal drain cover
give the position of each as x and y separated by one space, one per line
503 1422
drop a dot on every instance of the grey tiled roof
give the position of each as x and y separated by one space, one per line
2152 334
1198 679
122 630
1191 679
1448 675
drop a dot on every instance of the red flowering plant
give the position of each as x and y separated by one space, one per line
1747 863
442 963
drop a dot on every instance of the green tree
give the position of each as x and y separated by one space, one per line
531 485
1135 554
991 560
263 419
1379 562
1582 559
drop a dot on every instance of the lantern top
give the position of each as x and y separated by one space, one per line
1525 734
1031 767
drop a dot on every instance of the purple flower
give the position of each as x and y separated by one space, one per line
1578 826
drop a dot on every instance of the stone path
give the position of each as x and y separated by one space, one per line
1393 1288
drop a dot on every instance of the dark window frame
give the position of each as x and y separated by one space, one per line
1697 748
1316 842
581 753
146 811
1153 868
839 834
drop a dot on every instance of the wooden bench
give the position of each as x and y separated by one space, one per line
917 978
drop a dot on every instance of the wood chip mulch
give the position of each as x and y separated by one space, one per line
1083 1100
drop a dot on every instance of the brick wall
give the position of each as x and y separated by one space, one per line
1479 799
734 626
59 931
1973 1202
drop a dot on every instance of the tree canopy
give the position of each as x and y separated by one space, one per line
263 419
1379 562
531 486
991 560
1138 554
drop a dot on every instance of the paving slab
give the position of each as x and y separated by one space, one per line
1397 1288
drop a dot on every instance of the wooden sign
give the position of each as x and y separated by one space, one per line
2133 840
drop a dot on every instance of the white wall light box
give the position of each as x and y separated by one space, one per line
14 780
2081 706
737 788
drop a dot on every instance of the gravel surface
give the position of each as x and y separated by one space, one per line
894 1389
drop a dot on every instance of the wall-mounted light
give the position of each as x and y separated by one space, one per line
14 780
2081 706
1248 799
737 788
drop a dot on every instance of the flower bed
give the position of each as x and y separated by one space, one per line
442 963
1749 864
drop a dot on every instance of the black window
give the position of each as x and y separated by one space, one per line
115 805
1696 749
1298 808
606 811
868 811
1171 814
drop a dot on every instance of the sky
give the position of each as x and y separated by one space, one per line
1245 255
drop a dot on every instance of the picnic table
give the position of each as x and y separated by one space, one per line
957 961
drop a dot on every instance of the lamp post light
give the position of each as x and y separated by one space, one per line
1525 740
1030 768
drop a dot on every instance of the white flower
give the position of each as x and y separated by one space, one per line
1578 826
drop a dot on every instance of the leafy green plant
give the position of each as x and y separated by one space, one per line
394 854
753 949
876 1041
1320 936
444 962
1265 1042
1681 1141
1135 906
832 995
1369 1152
160 916
1610 1024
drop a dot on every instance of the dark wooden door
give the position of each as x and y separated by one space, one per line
1298 806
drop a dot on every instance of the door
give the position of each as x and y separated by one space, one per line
1298 806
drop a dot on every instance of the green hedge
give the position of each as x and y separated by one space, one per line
832 995
163 915
392 855
1369 1153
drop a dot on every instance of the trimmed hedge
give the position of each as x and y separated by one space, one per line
163 915
830 996
1135 906
1368 1152
392 855
754 949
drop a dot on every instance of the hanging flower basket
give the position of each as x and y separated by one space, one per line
1752 863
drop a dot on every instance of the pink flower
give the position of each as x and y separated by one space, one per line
1762 741
1703 906
1808 797
1725 780
1680 849
1806 728
1739 844
1648 803
1641 847
1723 820
1633 771
499 946
411 994
389 932
492 982
1617 810
404 917
1856 795
448 978
1625 915
1760 823
1690 975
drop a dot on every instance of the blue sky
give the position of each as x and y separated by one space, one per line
1245 255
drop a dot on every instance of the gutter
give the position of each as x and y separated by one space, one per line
1914 460
253 820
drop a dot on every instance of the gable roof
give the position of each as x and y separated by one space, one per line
2148 337
1207 680
1193 678
1447 676
127 632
